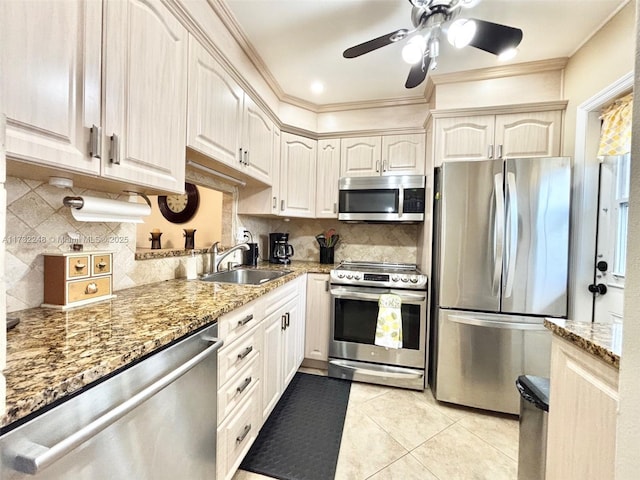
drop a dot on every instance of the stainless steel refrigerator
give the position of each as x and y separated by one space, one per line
501 238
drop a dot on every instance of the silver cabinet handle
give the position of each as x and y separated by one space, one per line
384 165
246 157
282 205
283 324
287 319
246 352
275 203
245 384
490 151
499 151
240 155
114 150
243 435
335 207
377 165
245 320
326 286
95 141
40 457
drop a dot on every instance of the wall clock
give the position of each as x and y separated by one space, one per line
180 208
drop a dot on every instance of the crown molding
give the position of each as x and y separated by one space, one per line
500 109
490 73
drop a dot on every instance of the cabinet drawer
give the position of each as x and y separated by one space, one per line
236 323
238 388
101 264
236 435
233 357
88 289
78 267
279 297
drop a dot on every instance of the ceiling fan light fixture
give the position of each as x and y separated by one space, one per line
469 3
507 54
413 51
461 32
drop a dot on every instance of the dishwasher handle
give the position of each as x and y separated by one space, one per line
38 457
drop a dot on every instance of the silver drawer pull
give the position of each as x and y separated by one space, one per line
246 352
243 435
245 320
245 384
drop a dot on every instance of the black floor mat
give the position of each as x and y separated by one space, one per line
301 438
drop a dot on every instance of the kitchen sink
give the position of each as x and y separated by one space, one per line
244 276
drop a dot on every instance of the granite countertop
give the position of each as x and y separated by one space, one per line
604 340
53 353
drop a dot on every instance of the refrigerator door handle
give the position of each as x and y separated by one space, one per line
468 320
498 233
512 232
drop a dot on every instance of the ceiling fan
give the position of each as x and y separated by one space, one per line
430 19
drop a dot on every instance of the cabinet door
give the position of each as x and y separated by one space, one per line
360 157
272 362
522 135
145 94
290 340
275 179
328 174
581 437
257 141
215 108
463 138
297 176
403 154
50 81
316 343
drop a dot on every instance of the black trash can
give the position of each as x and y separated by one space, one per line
534 405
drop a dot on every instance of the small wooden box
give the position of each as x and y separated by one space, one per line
73 279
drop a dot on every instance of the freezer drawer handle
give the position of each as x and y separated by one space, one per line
493 324
39 457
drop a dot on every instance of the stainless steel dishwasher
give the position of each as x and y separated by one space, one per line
155 420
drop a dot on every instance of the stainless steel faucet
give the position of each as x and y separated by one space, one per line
217 257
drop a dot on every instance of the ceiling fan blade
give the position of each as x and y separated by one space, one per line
418 73
494 37
374 44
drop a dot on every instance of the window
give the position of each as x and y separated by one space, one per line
621 204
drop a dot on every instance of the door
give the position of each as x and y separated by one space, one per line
536 253
464 138
257 141
470 237
145 94
528 135
611 241
328 173
298 176
403 154
318 317
360 157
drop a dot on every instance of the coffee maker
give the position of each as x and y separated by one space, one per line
279 248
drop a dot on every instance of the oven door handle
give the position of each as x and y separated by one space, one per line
350 294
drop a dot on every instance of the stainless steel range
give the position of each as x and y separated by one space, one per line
355 290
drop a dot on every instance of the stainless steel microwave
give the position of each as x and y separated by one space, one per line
399 198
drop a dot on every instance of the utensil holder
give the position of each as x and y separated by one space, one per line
326 254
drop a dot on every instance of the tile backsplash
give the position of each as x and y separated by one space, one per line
37 222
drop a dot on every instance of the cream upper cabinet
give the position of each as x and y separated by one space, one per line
258 139
50 81
145 94
215 108
360 157
327 176
403 154
224 123
484 137
581 435
297 176
385 155
318 318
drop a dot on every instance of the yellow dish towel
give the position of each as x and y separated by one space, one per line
389 325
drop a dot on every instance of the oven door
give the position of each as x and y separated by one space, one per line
354 317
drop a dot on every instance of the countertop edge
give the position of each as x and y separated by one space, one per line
599 339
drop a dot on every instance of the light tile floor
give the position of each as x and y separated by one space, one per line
398 434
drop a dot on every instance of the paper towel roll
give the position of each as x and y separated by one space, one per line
96 209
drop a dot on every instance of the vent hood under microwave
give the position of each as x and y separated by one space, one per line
397 199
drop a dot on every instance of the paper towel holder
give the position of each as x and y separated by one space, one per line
106 210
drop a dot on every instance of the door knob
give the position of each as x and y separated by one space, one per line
602 266
599 288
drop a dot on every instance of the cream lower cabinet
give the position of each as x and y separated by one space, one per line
583 405
383 155
509 135
100 88
283 340
318 318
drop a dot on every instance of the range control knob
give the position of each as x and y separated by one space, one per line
414 279
356 276
405 279
349 276
341 275
395 278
